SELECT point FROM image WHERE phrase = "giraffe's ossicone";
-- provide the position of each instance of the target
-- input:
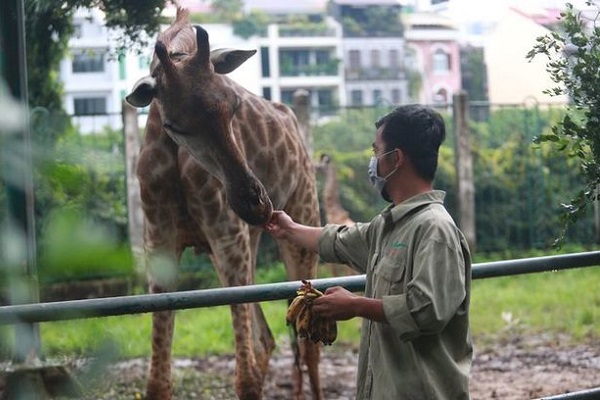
(215, 161)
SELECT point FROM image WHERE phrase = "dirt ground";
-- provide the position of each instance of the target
(522, 368)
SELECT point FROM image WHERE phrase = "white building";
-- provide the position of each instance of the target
(95, 78)
(337, 70)
(292, 60)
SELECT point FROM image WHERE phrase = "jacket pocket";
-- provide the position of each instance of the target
(389, 275)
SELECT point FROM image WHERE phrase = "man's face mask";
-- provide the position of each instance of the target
(377, 181)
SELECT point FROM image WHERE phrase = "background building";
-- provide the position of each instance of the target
(96, 78)
(512, 78)
(352, 53)
(374, 51)
(434, 52)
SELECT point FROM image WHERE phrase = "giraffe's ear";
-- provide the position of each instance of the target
(227, 60)
(143, 92)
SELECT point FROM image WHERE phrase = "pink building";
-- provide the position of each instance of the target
(434, 56)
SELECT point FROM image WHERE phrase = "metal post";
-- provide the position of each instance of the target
(464, 169)
(597, 214)
(134, 203)
(19, 181)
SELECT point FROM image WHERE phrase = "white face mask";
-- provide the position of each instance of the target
(377, 181)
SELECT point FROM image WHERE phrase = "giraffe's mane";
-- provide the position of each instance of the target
(183, 15)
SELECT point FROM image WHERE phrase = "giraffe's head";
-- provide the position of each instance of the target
(197, 106)
(323, 165)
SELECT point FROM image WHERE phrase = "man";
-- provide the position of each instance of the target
(415, 341)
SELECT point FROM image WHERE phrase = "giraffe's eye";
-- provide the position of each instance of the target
(177, 55)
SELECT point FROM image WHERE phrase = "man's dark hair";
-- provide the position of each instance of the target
(418, 131)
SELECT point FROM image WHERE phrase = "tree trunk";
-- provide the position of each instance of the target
(464, 169)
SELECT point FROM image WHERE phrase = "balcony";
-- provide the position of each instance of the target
(329, 68)
(307, 30)
(375, 74)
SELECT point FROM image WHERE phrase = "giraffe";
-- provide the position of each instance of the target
(335, 212)
(215, 161)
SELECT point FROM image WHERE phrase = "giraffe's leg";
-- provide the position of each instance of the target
(248, 381)
(263, 341)
(253, 339)
(159, 386)
(301, 264)
(159, 181)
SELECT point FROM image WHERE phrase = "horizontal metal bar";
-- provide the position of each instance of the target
(122, 305)
(134, 304)
(590, 394)
(536, 264)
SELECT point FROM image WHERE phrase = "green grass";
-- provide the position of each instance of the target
(564, 303)
(552, 303)
(198, 332)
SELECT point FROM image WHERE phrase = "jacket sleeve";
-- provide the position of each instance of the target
(345, 244)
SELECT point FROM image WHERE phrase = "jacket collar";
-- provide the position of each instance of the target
(394, 213)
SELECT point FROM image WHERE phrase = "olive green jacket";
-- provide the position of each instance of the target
(416, 260)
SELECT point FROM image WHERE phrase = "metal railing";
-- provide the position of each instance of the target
(102, 307)
(135, 304)
(589, 394)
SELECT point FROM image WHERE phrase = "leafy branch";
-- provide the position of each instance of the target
(574, 65)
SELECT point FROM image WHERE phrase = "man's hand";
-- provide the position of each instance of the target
(340, 304)
(279, 224)
(336, 304)
(282, 226)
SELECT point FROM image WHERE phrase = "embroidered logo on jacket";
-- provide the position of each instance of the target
(395, 247)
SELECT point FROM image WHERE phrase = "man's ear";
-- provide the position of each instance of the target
(400, 157)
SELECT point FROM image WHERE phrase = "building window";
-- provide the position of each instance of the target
(122, 66)
(144, 62)
(377, 96)
(267, 93)
(77, 31)
(356, 97)
(265, 63)
(322, 56)
(354, 59)
(88, 61)
(90, 106)
(294, 62)
(375, 58)
(325, 98)
(287, 96)
(394, 58)
(441, 61)
(396, 96)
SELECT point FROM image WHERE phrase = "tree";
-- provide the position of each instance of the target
(228, 10)
(49, 25)
(472, 66)
(60, 180)
(574, 64)
(254, 23)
